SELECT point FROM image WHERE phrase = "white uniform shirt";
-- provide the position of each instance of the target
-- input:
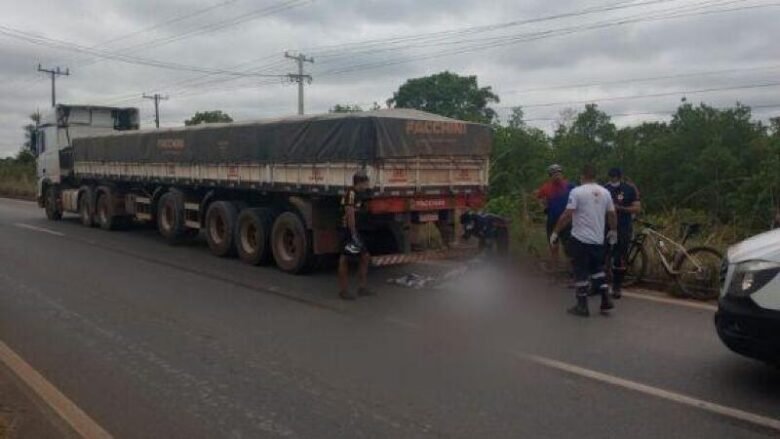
(590, 203)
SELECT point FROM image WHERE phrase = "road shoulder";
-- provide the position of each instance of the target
(20, 415)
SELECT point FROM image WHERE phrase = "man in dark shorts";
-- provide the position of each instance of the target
(352, 246)
(554, 194)
(589, 210)
(625, 196)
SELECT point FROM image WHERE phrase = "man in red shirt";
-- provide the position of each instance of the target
(554, 194)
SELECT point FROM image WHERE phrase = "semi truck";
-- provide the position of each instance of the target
(267, 191)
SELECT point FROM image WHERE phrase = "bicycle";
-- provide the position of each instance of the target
(695, 270)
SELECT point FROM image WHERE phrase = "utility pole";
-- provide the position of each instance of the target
(299, 77)
(157, 98)
(54, 73)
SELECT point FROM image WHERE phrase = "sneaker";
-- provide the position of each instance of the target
(346, 295)
(365, 292)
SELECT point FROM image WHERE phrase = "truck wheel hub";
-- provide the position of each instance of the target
(249, 238)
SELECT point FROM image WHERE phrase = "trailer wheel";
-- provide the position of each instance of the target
(170, 216)
(53, 210)
(291, 244)
(103, 215)
(85, 210)
(220, 226)
(253, 231)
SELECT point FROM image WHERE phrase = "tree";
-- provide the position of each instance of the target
(774, 126)
(588, 139)
(29, 149)
(346, 108)
(520, 157)
(215, 116)
(705, 164)
(447, 94)
(352, 108)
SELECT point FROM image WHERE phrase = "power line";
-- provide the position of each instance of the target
(194, 82)
(645, 96)
(339, 49)
(258, 13)
(695, 6)
(488, 28)
(176, 19)
(300, 76)
(496, 42)
(156, 98)
(184, 85)
(121, 54)
(73, 47)
(642, 79)
(54, 73)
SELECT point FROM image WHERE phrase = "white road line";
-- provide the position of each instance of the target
(79, 421)
(671, 301)
(679, 398)
(38, 229)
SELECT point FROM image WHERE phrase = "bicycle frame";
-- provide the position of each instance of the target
(659, 242)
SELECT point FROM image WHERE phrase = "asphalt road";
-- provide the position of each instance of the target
(157, 341)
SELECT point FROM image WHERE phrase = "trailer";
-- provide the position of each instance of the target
(267, 191)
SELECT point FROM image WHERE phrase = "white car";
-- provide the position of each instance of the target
(748, 317)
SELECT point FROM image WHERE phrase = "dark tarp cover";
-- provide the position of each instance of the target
(366, 136)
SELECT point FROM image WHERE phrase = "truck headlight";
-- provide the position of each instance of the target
(751, 276)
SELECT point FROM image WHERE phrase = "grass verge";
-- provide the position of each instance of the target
(17, 180)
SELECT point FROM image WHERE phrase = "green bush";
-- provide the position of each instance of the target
(718, 167)
(17, 178)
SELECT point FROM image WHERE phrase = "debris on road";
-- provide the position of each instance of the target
(412, 280)
(419, 281)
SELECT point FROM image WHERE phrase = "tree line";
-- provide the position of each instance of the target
(718, 164)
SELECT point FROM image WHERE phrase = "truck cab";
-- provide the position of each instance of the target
(61, 125)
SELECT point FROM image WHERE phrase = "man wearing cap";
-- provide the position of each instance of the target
(625, 197)
(554, 194)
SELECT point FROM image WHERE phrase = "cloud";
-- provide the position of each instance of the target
(361, 74)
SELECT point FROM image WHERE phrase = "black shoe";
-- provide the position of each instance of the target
(616, 294)
(606, 303)
(346, 295)
(365, 292)
(578, 310)
(581, 308)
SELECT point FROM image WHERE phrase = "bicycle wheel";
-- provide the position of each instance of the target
(636, 266)
(698, 272)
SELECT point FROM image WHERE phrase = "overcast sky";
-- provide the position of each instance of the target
(718, 51)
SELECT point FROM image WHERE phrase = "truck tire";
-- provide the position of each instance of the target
(85, 210)
(291, 244)
(52, 205)
(170, 217)
(253, 231)
(103, 212)
(220, 228)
